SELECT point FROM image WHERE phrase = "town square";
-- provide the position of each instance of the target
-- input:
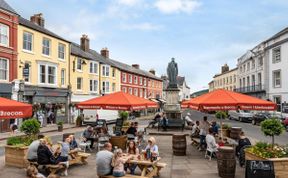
(143, 89)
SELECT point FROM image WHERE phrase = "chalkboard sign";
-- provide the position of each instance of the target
(101, 123)
(118, 127)
(259, 169)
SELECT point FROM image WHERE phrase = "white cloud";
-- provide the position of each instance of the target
(142, 26)
(176, 6)
(129, 2)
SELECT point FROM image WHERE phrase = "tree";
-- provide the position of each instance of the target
(272, 127)
(30, 127)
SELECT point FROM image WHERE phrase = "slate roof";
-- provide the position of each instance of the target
(38, 28)
(5, 6)
(77, 51)
(180, 81)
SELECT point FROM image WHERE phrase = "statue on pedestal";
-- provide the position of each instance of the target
(172, 72)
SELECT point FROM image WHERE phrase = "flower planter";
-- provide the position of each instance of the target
(60, 128)
(280, 164)
(16, 156)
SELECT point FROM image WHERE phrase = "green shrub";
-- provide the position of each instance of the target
(123, 115)
(272, 127)
(60, 123)
(20, 141)
(266, 150)
(226, 126)
(30, 127)
(221, 115)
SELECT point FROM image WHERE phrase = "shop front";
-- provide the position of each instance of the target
(50, 105)
(5, 92)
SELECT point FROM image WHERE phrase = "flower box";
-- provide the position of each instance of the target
(16, 156)
(280, 164)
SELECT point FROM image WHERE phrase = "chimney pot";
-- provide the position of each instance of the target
(84, 43)
(105, 52)
(224, 68)
(152, 71)
(38, 19)
(136, 66)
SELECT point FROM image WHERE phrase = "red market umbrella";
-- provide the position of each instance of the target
(117, 101)
(225, 100)
(14, 109)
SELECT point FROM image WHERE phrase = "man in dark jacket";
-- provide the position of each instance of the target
(44, 154)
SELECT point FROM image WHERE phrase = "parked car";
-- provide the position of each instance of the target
(241, 115)
(285, 123)
(259, 117)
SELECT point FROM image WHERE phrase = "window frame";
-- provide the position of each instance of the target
(274, 79)
(27, 42)
(105, 70)
(81, 65)
(104, 87)
(46, 47)
(62, 52)
(46, 74)
(276, 58)
(130, 79)
(94, 86)
(7, 35)
(63, 77)
(124, 77)
(135, 79)
(6, 70)
(94, 67)
(81, 84)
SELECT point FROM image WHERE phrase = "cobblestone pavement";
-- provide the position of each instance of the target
(191, 166)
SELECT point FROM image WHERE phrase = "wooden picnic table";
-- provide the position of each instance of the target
(148, 169)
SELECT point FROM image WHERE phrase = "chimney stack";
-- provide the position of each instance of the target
(38, 19)
(136, 66)
(105, 52)
(152, 71)
(84, 43)
(224, 68)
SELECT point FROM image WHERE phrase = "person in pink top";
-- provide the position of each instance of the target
(118, 162)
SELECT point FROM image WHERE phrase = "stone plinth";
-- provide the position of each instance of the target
(172, 107)
(172, 96)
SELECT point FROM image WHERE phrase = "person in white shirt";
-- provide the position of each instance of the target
(211, 142)
(195, 129)
(188, 119)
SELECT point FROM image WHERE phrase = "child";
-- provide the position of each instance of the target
(118, 162)
(32, 172)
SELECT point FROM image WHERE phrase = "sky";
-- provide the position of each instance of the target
(201, 35)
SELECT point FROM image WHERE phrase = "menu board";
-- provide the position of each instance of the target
(259, 169)
(118, 127)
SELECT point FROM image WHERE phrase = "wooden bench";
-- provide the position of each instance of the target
(174, 123)
(79, 158)
(195, 141)
(53, 168)
(160, 166)
(126, 176)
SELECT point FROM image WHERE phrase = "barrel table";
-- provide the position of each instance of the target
(226, 162)
(179, 144)
(235, 132)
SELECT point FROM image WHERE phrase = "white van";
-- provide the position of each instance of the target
(91, 115)
(241, 115)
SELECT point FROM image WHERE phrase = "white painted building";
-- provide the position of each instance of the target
(184, 93)
(276, 53)
(251, 73)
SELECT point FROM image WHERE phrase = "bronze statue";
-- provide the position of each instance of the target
(172, 72)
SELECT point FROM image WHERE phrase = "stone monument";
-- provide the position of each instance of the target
(172, 107)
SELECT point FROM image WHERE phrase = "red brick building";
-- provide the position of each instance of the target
(8, 53)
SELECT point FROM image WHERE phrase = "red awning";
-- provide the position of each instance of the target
(117, 101)
(227, 100)
(14, 109)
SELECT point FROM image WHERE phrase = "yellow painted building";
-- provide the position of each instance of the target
(91, 75)
(43, 61)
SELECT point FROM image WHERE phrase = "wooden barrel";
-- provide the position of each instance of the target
(65, 135)
(179, 144)
(226, 162)
(235, 132)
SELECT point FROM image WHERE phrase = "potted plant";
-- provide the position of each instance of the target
(221, 115)
(17, 147)
(270, 151)
(226, 128)
(60, 126)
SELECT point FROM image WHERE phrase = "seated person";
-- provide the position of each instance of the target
(63, 157)
(195, 130)
(155, 120)
(188, 120)
(44, 154)
(243, 141)
(132, 129)
(132, 150)
(222, 142)
(211, 142)
(103, 160)
(32, 150)
(214, 127)
(32, 172)
(118, 162)
(73, 143)
(141, 143)
(164, 122)
(152, 147)
(88, 135)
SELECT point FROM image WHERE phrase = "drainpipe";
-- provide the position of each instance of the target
(69, 88)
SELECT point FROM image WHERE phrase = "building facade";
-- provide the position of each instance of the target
(8, 54)
(251, 70)
(91, 74)
(44, 66)
(227, 79)
(277, 64)
(184, 93)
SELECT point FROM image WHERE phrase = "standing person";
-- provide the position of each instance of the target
(88, 135)
(188, 119)
(118, 162)
(103, 160)
(164, 121)
(132, 129)
(32, 149)
(214, 127)
(141, 143)
(132, 150)
(243, 141)
(13, 126)
(204, 126)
